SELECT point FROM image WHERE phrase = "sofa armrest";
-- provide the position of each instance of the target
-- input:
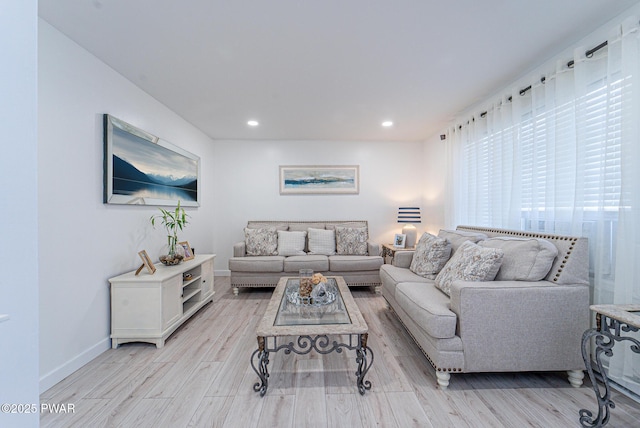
(520, 325)
(403, 259)
(239, 249)
(373, 249)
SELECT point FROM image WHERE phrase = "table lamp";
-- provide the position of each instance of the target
(409, 216)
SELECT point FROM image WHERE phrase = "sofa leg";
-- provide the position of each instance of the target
(235, 291)
(575, 378)
(443, 379)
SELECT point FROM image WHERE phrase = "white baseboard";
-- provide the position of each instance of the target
(59, 373)
(222, 272)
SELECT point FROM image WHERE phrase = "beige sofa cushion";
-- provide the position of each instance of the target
(470, 263)
(351, 241)
(291, 243)
(458, 237)
(430, 256)
(317, 263)
(266, 224)
(261, 242)
(322, 241)
(256, 264)
(354, 263)
(525, 259)
(305, 226)
(428, 308)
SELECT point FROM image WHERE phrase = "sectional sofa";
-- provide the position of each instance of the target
(530, 317)
(273, 249)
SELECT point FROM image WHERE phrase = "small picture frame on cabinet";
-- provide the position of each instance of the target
(146, 262)
(399, 240)
(188, 253)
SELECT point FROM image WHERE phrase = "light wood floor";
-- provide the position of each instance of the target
(202, 378)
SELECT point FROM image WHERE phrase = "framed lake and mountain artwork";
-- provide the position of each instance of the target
(142, 169)
(339, 179)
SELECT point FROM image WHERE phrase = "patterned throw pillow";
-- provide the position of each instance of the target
(470, 263)
(322, 241)
(291, 243)
(431, 254)
(352, 240)
(261, 242)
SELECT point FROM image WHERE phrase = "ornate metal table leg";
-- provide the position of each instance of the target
(261, 371)
(604, 340)
(363, 364)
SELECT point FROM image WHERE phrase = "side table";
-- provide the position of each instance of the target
(611, 321)
(389, 252)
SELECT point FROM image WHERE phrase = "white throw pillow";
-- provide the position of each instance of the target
(322, 242)
(470, 263)
(261, 242)
(430, 256)
(291, 243)
(351, 240)
(525, 259)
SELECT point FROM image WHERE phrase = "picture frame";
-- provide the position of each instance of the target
(319, 179)
(399, 240)
(146, 262)
(188, 252)
(142, 169)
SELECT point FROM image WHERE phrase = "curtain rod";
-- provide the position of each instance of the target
(589, 53)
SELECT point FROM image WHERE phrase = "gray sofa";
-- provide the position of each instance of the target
(499, 325)
(359, 269)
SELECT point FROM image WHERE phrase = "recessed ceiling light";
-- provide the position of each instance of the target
(253, 123)
(387, 123)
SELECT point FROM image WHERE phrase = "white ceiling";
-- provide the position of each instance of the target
(325, 69)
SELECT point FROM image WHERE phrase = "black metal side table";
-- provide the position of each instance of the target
(611, 322)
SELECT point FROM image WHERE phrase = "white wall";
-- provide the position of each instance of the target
(83, 242)
(246, 176)
(434, 167)
(18, 204)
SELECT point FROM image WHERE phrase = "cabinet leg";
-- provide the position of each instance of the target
(235, 291)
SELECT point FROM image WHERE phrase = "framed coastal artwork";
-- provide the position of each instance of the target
(142, 169)
(321, 179)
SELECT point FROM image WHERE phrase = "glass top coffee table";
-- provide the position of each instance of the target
(312, 323)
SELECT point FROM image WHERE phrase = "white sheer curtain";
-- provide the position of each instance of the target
(564, 157)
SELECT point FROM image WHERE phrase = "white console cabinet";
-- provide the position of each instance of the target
(148, 308)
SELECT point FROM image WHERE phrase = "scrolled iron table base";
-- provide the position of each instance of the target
(606, 334)
(305, 344)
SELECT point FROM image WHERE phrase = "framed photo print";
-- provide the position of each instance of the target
(142, 169)
(399, 240)
(338, 179)
(146, 262)
(188, 253)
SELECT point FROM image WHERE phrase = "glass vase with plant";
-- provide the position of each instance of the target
(172, 220)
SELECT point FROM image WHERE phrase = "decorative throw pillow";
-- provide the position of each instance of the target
(351, 240)
(525, 259)
(322, 242)
(291, 243)
(261, 242)
(430, 256)
(470, 263)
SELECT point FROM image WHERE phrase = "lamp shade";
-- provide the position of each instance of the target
(409, 215)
